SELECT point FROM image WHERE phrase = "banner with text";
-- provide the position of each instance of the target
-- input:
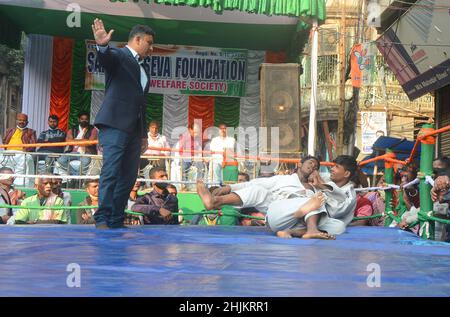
(373, 125)
(183, 70)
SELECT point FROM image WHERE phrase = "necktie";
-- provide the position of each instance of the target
(144, 78)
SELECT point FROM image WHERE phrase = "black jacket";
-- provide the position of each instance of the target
(124, 104)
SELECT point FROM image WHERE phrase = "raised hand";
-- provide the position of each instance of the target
(101, 36)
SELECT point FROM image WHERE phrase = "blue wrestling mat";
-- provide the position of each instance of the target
(195, 261)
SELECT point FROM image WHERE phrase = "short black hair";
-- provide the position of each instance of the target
(90, 181)
(247, 177)
(83, 113)
(172, 186)
(310, 157)
(140, 29)
(6, 168)
(443, 159)
(155, 169)
(53, 116)
(349, 164)
(154, 122)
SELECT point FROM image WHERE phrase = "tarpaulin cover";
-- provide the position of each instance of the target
(218, 261)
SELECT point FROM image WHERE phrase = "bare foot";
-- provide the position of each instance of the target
(314, 203)
(205, 195)
(283, 234)
(318, 235)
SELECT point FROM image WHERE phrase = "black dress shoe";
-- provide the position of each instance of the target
(102, 226)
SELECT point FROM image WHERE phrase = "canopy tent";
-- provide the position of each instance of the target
(258, 25)
(400, 146)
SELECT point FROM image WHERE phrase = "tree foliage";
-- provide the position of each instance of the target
(13, 61)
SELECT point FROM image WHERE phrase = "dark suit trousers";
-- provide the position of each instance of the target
(121, 154)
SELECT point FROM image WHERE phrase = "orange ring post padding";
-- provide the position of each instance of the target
(79, 143)
(389, 157)
(426, 136)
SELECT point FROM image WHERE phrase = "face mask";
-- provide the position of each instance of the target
(161, 185)
(439, 171)
(84, 124)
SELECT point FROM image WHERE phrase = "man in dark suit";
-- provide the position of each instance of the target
(121, 119)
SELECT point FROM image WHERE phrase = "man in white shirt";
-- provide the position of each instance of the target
(155, 140)
(220, 143)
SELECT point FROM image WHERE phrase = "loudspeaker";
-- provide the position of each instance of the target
(280, 103)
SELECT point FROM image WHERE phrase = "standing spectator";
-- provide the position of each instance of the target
(51, 135)
(190, 147)
(158, 205)
(221, 143)
(155, 140)
(44, 197)
(83, 131)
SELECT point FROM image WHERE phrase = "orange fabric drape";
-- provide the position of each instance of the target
(61, 79)
(201, 108)
(275, 57)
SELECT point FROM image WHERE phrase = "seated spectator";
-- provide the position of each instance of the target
(57, 189)
(9, 196)
(251, 221)
(83, 131)
(155, 140)
(134, 220)
(363, 205)
(44, 197)
(51, 135)
(16, 195)
(86, 216)
(65, 196)
(243, 177)
(20, 135)
(363, 209)
(5, 185)
(411, 193)
(440, 165)
(158, 205)
(378, 200)
(174, 192)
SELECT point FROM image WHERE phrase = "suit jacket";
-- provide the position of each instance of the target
(28, 137)
(123, 107)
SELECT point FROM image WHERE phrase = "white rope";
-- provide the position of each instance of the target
(413, 182)
(390, 186)
(3, 176)
(429, 180)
